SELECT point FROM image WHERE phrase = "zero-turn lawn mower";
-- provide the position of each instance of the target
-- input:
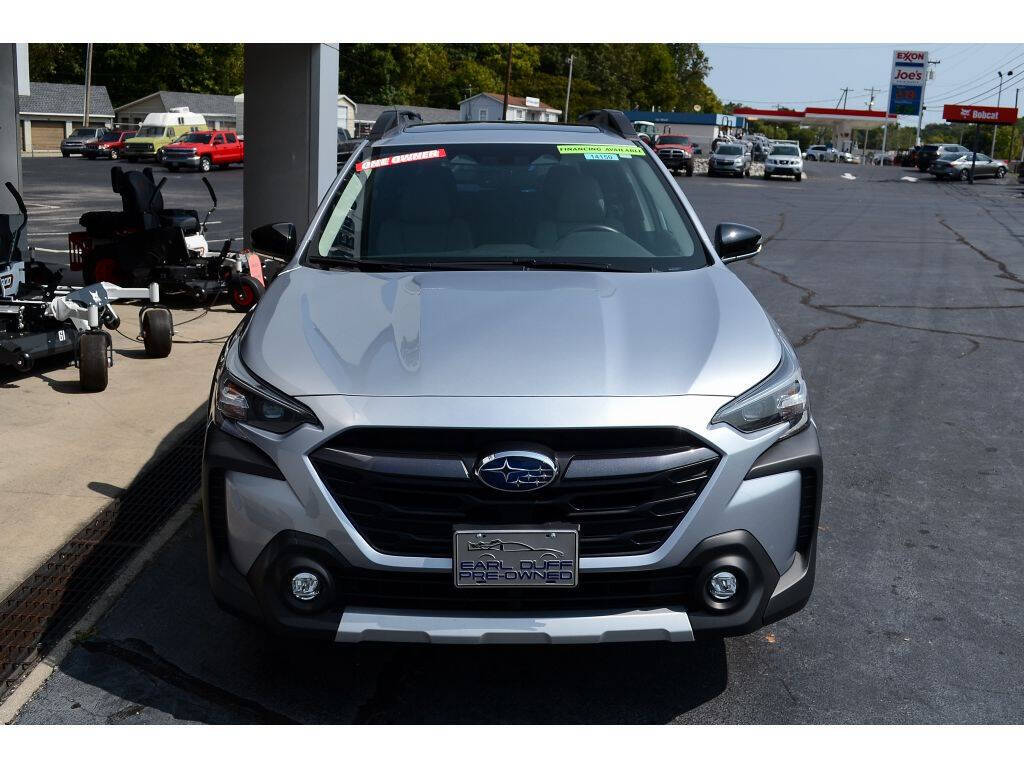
(39, 319)
(145, 242)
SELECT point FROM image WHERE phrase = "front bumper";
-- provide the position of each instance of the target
(181, 162)
(758, 514)
(784, 170)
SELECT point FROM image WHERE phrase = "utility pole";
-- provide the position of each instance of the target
(568, 89)
(842, 99)
(924, 86)
(88, 84)
(1013, 128)
(508, 79)
(999, 99)
(871, 103)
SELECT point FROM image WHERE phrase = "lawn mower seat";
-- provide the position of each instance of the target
(142, 206)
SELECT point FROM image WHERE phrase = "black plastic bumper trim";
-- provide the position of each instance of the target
(801, 451)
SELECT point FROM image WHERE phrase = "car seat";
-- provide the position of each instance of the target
(425, 221)
(579, 202)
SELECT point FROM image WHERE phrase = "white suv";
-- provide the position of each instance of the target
(784, 160)
(822, 153)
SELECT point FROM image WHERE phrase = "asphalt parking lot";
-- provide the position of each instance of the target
(905, 301)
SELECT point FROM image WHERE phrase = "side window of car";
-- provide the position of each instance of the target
(218, 139)
(231, 138)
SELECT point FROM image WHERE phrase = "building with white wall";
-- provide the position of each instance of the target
(487, 106)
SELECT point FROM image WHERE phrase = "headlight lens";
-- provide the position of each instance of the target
(240, 397)
(779, 399)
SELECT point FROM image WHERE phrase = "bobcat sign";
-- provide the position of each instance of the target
(965, 113)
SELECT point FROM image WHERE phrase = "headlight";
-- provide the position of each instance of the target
(781, 398)
(240, 397)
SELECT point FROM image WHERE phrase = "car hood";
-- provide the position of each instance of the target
(510, 333)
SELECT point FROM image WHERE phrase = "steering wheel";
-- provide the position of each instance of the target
(591, 228)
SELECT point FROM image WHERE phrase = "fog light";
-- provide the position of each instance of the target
(722, 585)
(306, 586)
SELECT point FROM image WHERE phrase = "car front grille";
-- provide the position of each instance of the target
(415, 515)
(139, 149)
(179, 153)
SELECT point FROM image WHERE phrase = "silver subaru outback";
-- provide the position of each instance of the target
(507, 391)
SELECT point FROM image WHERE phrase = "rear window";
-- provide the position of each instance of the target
(494, 203)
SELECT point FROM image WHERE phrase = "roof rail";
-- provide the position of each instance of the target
(393, 121)
(612, 120)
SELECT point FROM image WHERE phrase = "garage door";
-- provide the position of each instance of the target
(47, 135)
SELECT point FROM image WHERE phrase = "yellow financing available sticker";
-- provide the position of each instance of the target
(615, 149)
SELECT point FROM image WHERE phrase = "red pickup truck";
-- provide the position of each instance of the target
(204, 150)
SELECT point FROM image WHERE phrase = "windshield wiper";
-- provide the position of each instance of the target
(365, 265)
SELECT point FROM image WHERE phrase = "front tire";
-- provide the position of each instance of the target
(92, 361)
(799, 177)
(1000, 172)
(205, 165)
(157, 330)
(114, 154)
(965, 175)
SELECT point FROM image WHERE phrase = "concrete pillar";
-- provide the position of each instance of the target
(291, 144)
(68, 128)
(26, 135)
(10, 152)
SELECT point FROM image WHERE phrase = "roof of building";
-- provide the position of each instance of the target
(686, 118)
(516, 101)
(65, 99)
(368, 113)
(217, 104)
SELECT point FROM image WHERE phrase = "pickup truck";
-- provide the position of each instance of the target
(346, 145)
(204, 150)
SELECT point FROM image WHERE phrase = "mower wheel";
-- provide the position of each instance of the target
(157, 329)
(244, 292)
(92, 361)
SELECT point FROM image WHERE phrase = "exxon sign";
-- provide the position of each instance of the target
(907, 82)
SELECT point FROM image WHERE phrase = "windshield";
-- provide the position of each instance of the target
(195, 138)
(80, 132)
(150, 130)
(666, 139)
(785, 149)
(478, 205)
(111, 136)
(729, 149)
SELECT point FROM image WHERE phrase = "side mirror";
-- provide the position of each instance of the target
(278, 240)
(734, 242)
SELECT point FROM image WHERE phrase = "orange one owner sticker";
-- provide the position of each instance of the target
(412, 157)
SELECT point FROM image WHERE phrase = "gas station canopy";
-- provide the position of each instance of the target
(843, 120)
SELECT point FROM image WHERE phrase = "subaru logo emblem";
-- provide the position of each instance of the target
(517, 470)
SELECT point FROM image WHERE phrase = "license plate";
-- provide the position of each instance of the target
(516, 557)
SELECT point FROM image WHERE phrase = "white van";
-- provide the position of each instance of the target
(158, 130)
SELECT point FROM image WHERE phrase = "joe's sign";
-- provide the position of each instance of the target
(907, 82)
(966, 113)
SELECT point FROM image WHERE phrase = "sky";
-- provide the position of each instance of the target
(813, 75)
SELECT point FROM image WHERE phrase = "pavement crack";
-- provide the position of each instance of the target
(1004, 271)
(807, 299)
(144, 657)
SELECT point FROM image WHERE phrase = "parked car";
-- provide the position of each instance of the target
(675, 151)
(909, 160)
(109, 145)
(957, 165)
(204, 150)
(468, 521)
(844, 157)
(346, 145)
(75, 143)
(821, 153)
(928, 153)
(732, 159)
(784, 160)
